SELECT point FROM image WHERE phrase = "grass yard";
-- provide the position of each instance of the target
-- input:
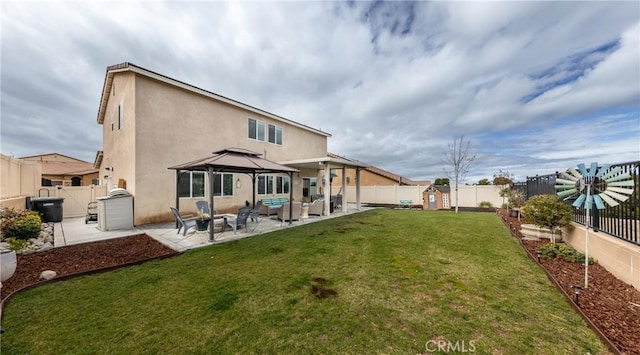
(383, 281)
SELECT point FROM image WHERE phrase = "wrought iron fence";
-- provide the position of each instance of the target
(621, 221)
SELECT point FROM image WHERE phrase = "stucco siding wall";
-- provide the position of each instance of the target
(119, 143)
(174, 126)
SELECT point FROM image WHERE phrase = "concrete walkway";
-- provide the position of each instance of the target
(74, 231)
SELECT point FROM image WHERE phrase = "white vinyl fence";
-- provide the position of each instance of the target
(76, 198)
(19, 177)
(470, 195)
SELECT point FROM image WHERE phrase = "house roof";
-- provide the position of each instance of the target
(67, 168)
(389, 175)
(42, 157)
(126, 66)
(54, 167)
(235, 160)
(442, 188)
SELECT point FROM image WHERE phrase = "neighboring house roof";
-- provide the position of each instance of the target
(389, 175)
(55, 167)
(43, 157)
(67, 168)
(126, 66)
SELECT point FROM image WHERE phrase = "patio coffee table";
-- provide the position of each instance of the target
(224, 217)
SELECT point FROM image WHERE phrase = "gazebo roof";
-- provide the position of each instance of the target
(235, 160)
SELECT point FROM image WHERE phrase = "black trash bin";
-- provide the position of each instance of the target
(50, 208)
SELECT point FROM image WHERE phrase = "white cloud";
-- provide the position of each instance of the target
(394, 82)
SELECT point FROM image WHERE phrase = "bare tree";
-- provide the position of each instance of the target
(459, 159)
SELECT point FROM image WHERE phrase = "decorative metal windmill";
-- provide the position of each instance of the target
(594, 185)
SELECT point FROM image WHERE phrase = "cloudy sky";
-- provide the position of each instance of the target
(535, 87)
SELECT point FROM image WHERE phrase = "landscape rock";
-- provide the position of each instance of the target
(48, 275)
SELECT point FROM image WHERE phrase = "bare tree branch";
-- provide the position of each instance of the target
(458, 158)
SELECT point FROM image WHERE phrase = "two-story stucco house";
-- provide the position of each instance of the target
(152, 122)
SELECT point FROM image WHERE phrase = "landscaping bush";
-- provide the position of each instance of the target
(563, 251)
(21, 225)
(548, 211)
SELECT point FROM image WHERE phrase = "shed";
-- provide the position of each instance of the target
(436, 197)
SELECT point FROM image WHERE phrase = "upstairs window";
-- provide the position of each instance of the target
(256, 129)
(275, 134)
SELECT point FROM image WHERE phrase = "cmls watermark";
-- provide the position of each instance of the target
(433, 346)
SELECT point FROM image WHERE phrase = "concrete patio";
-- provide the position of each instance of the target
(74, 231)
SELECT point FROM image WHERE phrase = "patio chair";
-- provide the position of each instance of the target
(240, 220)
(187, 221)
(255, 212)
(283, 212)
(203, 206)
(316, 207)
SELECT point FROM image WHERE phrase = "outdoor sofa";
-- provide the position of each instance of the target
(271, 205)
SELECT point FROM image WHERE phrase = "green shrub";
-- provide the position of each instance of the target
(563, 251)
(17, 244)
(20, 224)
(486, 204)
(548, 211)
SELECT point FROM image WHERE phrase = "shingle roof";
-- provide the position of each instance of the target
(67, 168)
(389, 175)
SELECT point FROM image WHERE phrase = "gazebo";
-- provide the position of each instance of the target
(233, 160)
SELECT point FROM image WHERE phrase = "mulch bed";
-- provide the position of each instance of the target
(81, 258)
(611, 305)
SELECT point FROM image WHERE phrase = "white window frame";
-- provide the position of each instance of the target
(191, 184)
(260, 132)
(445, 200)
(224, 177)
(276, 138)
(273, 185)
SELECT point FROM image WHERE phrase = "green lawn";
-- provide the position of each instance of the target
(393, 282)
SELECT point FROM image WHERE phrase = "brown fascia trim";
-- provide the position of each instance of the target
(386, 174)
(98, 160)
(127, 66)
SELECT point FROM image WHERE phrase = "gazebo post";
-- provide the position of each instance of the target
(290, 197)
(253, 185)
(177, 193)
(211, 223)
